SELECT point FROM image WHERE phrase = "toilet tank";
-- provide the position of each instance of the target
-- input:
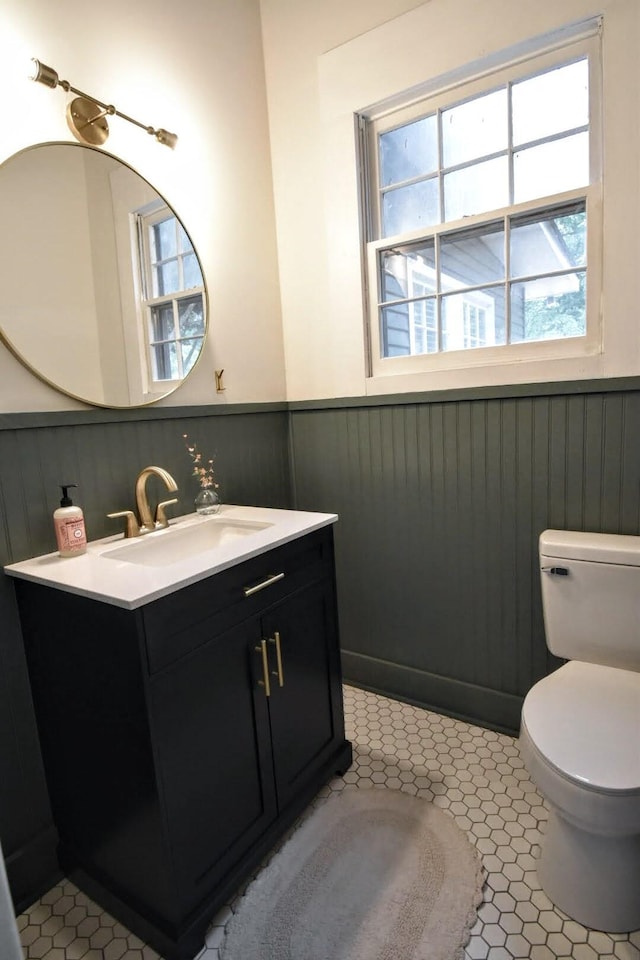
(591, 596)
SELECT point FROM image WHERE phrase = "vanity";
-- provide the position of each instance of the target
(187, 687)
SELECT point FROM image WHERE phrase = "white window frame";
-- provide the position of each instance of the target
(145, 219)
(375, 121)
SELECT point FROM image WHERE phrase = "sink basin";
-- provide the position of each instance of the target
(177, 543)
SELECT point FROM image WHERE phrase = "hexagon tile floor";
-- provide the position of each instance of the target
(474, 774)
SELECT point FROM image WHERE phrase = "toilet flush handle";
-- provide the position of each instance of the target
(556, 571)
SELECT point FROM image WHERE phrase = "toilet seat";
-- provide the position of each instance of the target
(584, 720)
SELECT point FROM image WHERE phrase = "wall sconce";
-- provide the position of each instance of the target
(86, 116)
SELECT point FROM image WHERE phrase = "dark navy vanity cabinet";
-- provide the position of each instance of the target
(183, 737)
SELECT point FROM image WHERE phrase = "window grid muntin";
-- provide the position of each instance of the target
(510, 161)
(532, 58)
(146, 223)
(535, 214)
(178, 338)
(509, 152)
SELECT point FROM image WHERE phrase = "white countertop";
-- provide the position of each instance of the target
(130, 585)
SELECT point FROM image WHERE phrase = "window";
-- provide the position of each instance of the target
(172, 296)
(479, 205)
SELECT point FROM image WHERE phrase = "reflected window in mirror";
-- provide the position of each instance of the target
(126, 300)
(172, 296)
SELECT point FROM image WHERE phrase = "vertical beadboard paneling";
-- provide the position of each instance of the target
(612, 461)
(629, 500)
(593, 449)
(525, 573)
(250, 452)
(441, 506)
(575, 465)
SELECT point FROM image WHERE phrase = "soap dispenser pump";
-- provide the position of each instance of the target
(68, 521)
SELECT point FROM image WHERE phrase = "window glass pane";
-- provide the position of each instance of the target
(551, 102)
(395, 331)
(166, 278)
(190, 353)
(161, 323)
(407, 271)
(489, 275)
(164, 361)
(546, 243)
(473, 319)
(191, 316)
(191, 271)
(164, 239)
(469, 258)
(423, 326)
(551, 168)
(407, 208)
(549, 308)
(409, 151)
(185, 243)
(475, 129)
(484, 186)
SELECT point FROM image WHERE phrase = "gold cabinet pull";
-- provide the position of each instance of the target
(273, 578)
(277, 673)
(265, 668)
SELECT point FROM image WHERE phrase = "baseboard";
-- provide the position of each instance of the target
(455, 698)
(33, 869)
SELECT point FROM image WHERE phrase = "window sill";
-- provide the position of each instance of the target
(574, 359)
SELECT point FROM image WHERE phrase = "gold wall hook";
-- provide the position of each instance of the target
(220, 388)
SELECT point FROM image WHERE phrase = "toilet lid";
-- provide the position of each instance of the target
(585, 720)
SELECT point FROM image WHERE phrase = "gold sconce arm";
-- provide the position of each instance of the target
(87, 116)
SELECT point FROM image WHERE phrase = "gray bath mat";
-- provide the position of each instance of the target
(369, 875)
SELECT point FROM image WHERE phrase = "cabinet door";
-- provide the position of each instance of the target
(214, 757)
(306, 711)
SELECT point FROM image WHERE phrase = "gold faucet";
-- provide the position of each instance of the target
(147, 523)
(144, 511)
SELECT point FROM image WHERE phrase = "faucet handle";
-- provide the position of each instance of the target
(161, 519)
(132, 529)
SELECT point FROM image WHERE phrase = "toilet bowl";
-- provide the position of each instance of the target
(580, 728)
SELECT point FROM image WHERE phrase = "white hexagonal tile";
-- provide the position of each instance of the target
(559, 945)
(494, 935)
(511, 923)
(517, 945)
(477, 776)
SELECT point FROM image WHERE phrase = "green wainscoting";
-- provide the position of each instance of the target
(441, 503)
(441, 499)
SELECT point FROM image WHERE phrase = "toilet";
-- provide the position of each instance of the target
(580, 728)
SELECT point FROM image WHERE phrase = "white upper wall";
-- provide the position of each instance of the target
(326, 61)
(197, 68)
(194, 68)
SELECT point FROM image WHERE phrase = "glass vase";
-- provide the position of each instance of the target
(207, 501)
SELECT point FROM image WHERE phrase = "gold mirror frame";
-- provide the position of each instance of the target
(64, 236)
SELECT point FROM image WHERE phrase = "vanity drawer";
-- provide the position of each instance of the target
(177, 624)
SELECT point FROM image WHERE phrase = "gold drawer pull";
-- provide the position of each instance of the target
(265, 668)
(273, 578)
(277, 673)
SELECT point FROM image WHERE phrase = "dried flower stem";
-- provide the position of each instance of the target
(204, 475)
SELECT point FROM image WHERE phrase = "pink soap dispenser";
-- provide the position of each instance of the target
(68, 521)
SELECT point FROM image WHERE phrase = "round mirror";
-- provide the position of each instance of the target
(103, 295)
